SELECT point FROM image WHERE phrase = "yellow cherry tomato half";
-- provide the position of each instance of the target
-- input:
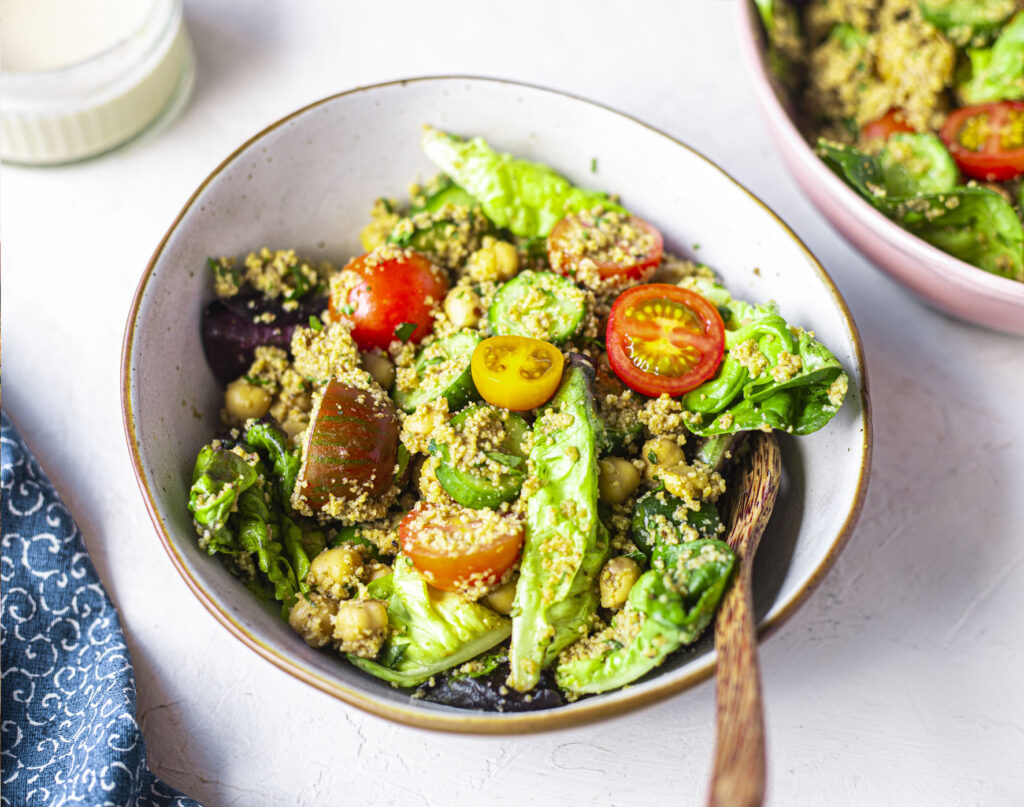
(516, 372)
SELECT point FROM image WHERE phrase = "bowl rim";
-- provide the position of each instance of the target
(470, 721)
(960, 273)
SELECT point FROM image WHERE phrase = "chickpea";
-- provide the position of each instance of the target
(427, 418)
(361, 627)
(462, 307)
(380, 367)
(243, 400)
(495, 260)
(333, 571)
(501, 598)
(617, 578)
(507, 259)
(660, 453)
(618, 479)
(313, 619)
(376, 571)
(295, 425)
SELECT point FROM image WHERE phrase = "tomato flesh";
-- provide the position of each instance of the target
(664, 339)
(352, 446)
(395, 297)
(621, 247)
(892, 122)
(516, 372)
(457, 549)
(987, 140)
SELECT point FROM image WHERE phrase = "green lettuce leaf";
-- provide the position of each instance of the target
(997, 73)
(270, 441)
(219, 477)
(668, 607)
(430, 630)
(566, 544)
(524, 197)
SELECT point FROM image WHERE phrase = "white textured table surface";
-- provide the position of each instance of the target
(898, 683)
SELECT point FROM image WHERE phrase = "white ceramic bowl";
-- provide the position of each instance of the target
(943, 281)
(308, 181)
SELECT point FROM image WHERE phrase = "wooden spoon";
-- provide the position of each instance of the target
(738, 775)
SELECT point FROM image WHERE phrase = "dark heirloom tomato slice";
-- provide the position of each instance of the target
(455, 548)
(892, 122)
(352, 447)
(619, 245)
(395, 298)
(987, 141)
(664, 339)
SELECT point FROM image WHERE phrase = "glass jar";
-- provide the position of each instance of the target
(79, 79)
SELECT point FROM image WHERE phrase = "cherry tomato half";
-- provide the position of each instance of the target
(516, 372)
(892, 122)
(664, 339)
(454, 549)
(352, 446)
(620, 246)
(987, 141)
(395, 298)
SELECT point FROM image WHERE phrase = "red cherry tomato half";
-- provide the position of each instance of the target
(619, 245)
(664, 339)
(395, 298)
(987, 140)
(892, 122)
(456, 548)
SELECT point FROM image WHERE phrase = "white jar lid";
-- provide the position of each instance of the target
(77, 111)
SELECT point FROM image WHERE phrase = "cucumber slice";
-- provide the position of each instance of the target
(447, 235)
(476, 488)
(917, 163)
(541, 305)
(443, 191)
(442, 370)
(659, 518)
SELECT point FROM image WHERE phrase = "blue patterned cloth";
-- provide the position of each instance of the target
(68, 731)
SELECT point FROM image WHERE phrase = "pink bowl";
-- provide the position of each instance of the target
(941, 280)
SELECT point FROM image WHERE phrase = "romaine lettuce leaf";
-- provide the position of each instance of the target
(524, 197)
(431, 630)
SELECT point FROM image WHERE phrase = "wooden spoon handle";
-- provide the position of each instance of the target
(738, 775)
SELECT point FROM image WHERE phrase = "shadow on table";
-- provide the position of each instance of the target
(232, 44)
(930, 541)
(170, 752)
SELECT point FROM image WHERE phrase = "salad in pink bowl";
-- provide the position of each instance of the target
(903, 186)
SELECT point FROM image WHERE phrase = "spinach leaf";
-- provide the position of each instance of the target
(976, 225)
(859, 170)
(770, 377)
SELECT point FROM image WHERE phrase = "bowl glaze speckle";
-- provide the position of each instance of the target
(945, 282)
(308, 182)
